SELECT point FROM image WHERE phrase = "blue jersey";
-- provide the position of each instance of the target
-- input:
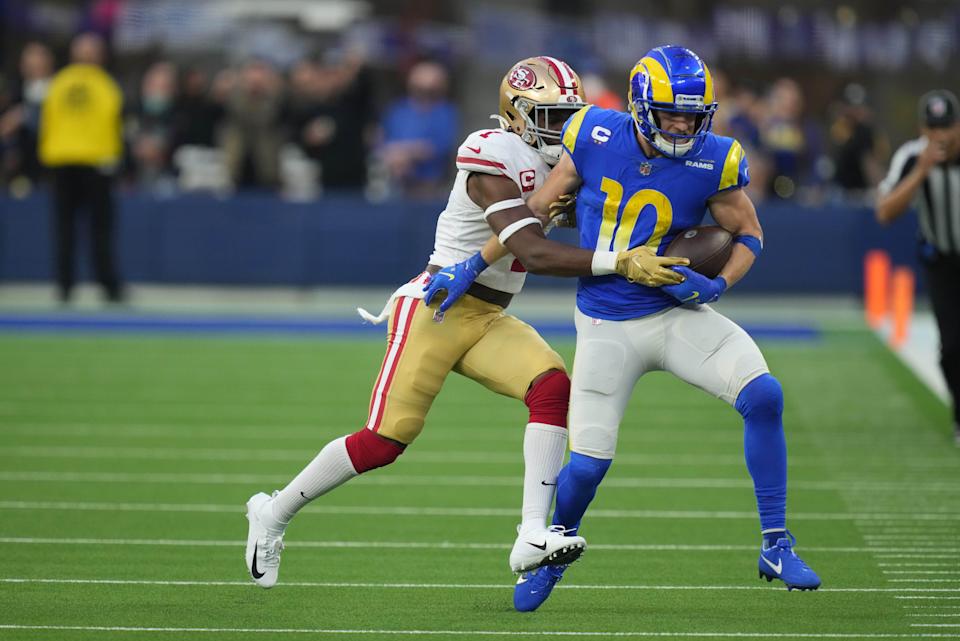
(627, 200)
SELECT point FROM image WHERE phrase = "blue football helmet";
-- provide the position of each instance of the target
(672, 78)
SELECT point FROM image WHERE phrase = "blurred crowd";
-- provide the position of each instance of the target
(316, 126)
(297, 131)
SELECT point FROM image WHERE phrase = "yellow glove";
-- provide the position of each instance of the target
(564, 211)
(642, 265)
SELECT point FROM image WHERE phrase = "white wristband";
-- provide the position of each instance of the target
(503, 204)
(513, 228)
(604, 263)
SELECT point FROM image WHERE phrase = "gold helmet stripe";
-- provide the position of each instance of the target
(573, 128)
(708, 97)
(659, 80)
(731, 166)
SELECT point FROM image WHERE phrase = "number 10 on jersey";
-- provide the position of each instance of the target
(619, 220)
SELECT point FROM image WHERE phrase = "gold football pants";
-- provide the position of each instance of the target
(475, 339)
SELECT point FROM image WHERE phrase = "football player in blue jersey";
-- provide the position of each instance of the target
(641, 178)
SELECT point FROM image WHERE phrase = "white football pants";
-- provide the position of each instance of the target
(693, 342)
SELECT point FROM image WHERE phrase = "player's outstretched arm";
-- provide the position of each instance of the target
(521, 232)
(517, 228)
(562, 180)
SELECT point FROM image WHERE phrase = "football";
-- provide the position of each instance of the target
(708, 248)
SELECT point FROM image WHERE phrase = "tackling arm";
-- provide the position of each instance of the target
(563, 179)
(519, 231)
(537, 254)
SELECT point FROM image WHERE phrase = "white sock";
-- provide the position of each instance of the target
(543, 450)
(331, 468)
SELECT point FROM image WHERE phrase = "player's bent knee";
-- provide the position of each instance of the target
(586, 470)
(549, 398)
(367, 450)
(761, 398)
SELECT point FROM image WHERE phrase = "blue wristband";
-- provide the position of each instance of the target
(752, 243)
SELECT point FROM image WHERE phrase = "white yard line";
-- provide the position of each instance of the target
(919, 565)
(951, 572)
(51, 476)
(404, 545)
(424, 586)
(486, 633)
(951, 580)
(465, 512)
(913, 556)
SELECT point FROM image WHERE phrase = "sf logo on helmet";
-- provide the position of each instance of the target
(522, 78)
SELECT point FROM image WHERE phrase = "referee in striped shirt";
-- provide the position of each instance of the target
(925, 174)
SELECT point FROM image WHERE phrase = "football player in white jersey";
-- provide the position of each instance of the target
(498, 170)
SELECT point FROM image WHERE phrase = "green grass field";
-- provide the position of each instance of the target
(126, 462)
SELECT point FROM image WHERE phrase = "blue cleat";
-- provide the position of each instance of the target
(781, 562)
(534, 587)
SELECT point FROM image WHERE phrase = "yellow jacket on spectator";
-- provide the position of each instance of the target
(81, 119)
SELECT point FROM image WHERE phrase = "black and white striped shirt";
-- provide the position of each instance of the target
(937, 203)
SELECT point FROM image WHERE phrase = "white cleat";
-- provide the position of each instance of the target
(547, 546)
(264, 542)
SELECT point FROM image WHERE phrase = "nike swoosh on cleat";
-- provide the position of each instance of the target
(776, 568)
(521, 580)
(545, 483)
(539, 547)
(253, 566)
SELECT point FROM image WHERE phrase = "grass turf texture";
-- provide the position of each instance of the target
(128, 460)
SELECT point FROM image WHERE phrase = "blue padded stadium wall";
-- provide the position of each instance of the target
(254, 239)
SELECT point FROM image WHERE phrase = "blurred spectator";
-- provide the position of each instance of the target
(348, 98)
(331, 114)
(420, 132)
(598, 93)
(737, 117)
(792, 141)
(151, 127)
(19, 124)
(197, 114)
(744, 111)
(857, 146)
(252, 133)
(80, 138)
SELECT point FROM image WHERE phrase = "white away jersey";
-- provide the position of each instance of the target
(461, 229)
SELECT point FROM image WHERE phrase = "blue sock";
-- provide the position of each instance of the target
(765, 449)
(576, 486)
